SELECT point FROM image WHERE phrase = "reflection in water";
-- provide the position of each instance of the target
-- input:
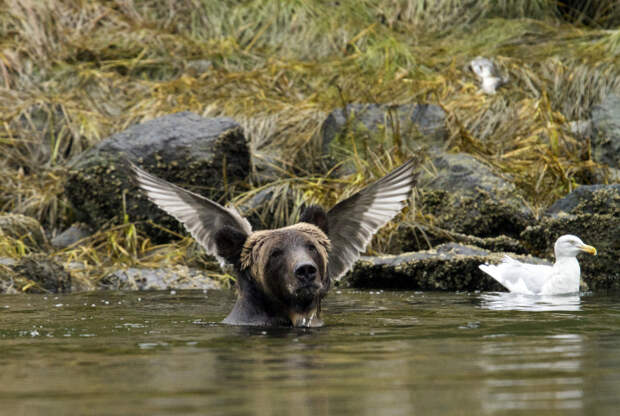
(543, 373)
(507, 301)
(538, 372)
(393, 353)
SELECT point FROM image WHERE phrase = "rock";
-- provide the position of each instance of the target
(601, 231)
(179, 277)
(448, 267)
(589, 199)
(40, 274)
(205, 155)
(71, 235)
(418, 238)
(465, 196)
(593, 214)
(7, 261)
(606, 126)
(405, 125)
(7, 277)
(23, 228)
(273, 206)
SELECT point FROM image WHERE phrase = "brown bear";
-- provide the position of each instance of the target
(283, 274)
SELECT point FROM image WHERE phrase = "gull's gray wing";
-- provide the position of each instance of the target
(200, 216)
(519, 277)
(352, 223)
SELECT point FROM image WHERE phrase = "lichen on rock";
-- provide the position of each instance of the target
(463, 195)
(447, 267)
(205, 155)
(593, 214)
(363, 128)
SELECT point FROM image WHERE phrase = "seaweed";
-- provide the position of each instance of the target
(73, 72)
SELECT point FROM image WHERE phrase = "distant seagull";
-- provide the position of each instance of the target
(488, 74)
(536, 279)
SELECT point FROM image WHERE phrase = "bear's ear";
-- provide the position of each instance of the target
(229, 243)
(315, 215)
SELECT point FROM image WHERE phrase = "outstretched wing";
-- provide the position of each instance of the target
(352, 222)
(200, 216)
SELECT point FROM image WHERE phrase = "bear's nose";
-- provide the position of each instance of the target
(305, 272)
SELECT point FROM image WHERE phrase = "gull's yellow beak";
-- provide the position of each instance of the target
(588, 249)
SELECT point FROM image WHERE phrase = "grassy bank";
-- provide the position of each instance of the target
(73, 72)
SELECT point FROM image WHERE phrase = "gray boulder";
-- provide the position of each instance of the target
(588, 199)
(206, 155)
(465, 196)
(448, 267)
(179, 277)
(71, 235)
(404, 126)
(272, 206)
(593, 214)
(606, 126)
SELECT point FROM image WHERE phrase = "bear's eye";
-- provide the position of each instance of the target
(311, 248)
(276, 253)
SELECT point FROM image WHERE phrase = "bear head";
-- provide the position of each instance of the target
(289, 266)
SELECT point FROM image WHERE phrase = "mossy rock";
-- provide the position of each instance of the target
(7, 277)
(589, 199)
(408, 237)
(450, 266)
(601, 231)
(465, 196)
(25, 229)
(179, 277)
(593, 214)
(273, 206)
(364, 128)
(209, 156)
(606, 126)
(40, 274)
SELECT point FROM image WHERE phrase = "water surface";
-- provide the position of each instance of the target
(380, 353)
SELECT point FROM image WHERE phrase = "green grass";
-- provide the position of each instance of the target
(74, 72)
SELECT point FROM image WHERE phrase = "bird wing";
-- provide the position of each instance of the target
(352, 223)
(519, 277)
(200, 216)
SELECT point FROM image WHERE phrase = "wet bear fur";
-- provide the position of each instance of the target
(282, 273)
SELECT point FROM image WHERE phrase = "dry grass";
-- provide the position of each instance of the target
(73, 72)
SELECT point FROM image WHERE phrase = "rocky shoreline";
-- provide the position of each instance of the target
(473, 213)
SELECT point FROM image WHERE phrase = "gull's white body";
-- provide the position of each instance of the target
(536, 279)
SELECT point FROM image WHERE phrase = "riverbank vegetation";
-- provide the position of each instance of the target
(74, 72)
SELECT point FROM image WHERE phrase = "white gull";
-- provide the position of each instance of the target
(537, 279)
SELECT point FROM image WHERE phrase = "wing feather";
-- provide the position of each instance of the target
(518, 277)
(353, 222)
(201, 217)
